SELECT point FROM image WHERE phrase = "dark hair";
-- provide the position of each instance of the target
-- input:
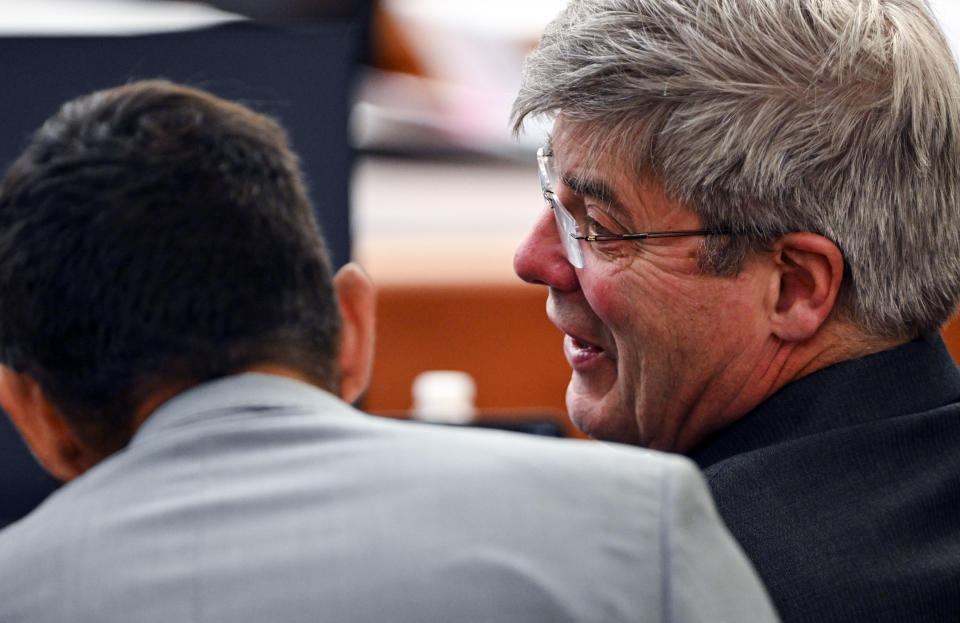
(153, 234)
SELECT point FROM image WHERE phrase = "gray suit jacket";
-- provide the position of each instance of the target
(258, 498)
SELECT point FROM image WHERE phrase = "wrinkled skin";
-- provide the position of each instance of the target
(661, 353)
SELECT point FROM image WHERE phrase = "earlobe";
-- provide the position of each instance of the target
(357, 298)
(810, 270)
(42, 426)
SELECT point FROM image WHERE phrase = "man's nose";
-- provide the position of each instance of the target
(541, 259)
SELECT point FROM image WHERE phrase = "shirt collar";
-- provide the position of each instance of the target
(230, 394)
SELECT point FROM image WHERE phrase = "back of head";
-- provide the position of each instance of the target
(154, 235)
(838, 117)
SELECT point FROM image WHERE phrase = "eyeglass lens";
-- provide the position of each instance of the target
(566, 224)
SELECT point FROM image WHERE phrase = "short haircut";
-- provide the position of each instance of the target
(153, 234)
(839, 117)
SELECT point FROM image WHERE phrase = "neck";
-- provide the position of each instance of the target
(834, 343)
(779, 363)
(787, 362)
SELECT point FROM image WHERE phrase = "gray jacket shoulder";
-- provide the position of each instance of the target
(357, 517)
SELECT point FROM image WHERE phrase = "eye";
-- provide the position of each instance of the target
(593, 227)
(597, 221)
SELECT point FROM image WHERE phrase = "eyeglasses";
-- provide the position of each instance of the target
(570, 233)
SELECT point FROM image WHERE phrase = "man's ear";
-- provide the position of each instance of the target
(809, 272)
(42, 426)
(358, 304)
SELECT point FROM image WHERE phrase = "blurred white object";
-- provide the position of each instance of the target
(948, 13)
(444, 396)
(508, 19)
(106, 17)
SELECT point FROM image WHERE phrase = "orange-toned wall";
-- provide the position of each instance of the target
(951, 335)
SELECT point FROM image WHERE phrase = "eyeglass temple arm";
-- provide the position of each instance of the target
(653, 234)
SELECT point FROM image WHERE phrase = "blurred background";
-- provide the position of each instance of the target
(400, 111)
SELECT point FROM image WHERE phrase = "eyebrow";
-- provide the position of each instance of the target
(593, 188)
(587, 187)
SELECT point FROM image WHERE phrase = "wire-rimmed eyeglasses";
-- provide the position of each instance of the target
(570, 234)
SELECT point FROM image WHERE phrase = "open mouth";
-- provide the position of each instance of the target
(584, 345)
(580, 354)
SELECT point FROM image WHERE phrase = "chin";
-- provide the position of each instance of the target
(603, 427)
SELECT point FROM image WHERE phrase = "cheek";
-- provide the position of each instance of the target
(736, 301)
(610, 299)
(630, 298)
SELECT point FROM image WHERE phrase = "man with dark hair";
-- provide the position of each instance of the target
(174, 345)
(752, 239)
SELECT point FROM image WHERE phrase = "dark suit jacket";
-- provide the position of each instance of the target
(844, 489)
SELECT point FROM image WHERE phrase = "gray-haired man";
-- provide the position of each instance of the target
(754, 239)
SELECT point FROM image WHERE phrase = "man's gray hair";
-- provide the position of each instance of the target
(839, 117)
